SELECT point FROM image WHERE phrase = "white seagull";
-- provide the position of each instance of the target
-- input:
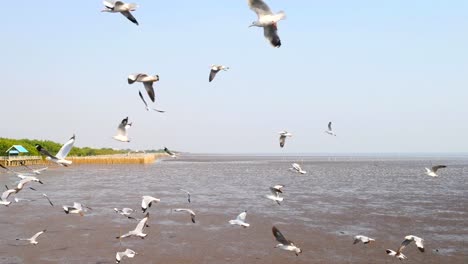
(275, 193)
(5, 195)
(37, 172)
(188, 194)
(433, 171)
(417, 240)
(127, 253)
(297, 168)
(125, 212)
(147, 201)
(215, 69)
(363, 239)
(283, 135)
(138, 231)
(30, 178)
(330, 130)
(120, 7)
(192, 213)
(284, 243)
(147, 81)
(397, 254)
(170, 153)
(146, 104)
(122, 134)
(267, 20)
(33, 239)
(240, 220)
(59, 158)
(77, 208)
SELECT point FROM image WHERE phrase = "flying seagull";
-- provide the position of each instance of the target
(17, 200)
(30, 178)
(122, 8)
(47, 197)
(192, 214)
(147, 81)
(433, 171)
(417, 240)
(284, 243)
(267, 20)
(59, 158)
(297, 168)
(138, 231)
(146, 104)
(240, 220)
(5, 195)
(275, 194)
(77, 208)
(122, 134)
(397, 254)
(330, 130)
(363, 239)
(127, 253)
(147, 201)
(188, 194)
(170, 153)
(37, 172)
(33, 239)
(125, 212)
(215, 69)
(283, 135)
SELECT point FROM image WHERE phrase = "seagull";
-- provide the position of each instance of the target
(188, 194)
(77, 208)
(147, 81)
(398, 254)
(297, 168)
(170, 153)
(125, 212)
(284, 243)
(215, 69)
(146, 104)
(417, 240)
(17, 200)
(138, 231)
(127, 253)
(122, 134)
(283, 135)
(37, 172)
(330, 131)
(61, 155)
(146, 202)
(363, 239)
(5, 195)
(275, 196)
(267, 20)
(192, 214)
(240, 220)
(33, 239)
(432, 171)
(122, 8)
(30, 178)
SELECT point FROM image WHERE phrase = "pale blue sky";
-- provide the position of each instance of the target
(391, 75)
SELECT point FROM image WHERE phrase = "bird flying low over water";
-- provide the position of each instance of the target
(215, 69)
(330, 130)
(122, 134)
(240, 220)
(138, 231)
(396, 254)
(5, 195)
(146, 104)
(127, 253)
(297, 168)
(284, 243)
(363, 239)
(120, 7)
(192, 214)
(147, 201)
(268, 20)
(275, 194)
(433, 171)
(125, 212)
(77, 208)
(47, 197)
(147, 81)
(417, 240)
(170, 153)
(59, 158)
(33, 239)
(283, 135)
(188, 194)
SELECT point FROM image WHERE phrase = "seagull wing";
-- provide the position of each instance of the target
(329, 126)
(271, 33)
(122, 128)
(259, 7)
(279, 237)
(282, 140)
(419, 244)
(149, 90)
(242, 216)
(435, 168)
(6, 194)
(213, 74)
(405, 243)
(274, 191)
(109, 3)
(77, 206)
(143, 99)
(47, 197)
(130, 17)
(65, 149)
(37, 235)
(141, 225)
(44, 152)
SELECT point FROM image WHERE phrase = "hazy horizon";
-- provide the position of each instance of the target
(391, 76)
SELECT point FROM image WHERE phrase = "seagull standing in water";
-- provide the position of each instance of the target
(267, 20)
(330, 130)
(363, 239)
(433, 171)
(275, 194)
(138, 231)
(59, 158)
(147, 81)
(240, 220)
(127, 253)
(215, 69)
(122, 134)
(297, 168)
(284, 243)
(147, 201)
(192, 213)
(33, 239)
(146, 104)
(283, 135)
(120, 7)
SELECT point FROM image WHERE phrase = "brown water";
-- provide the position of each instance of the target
(385, 199)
